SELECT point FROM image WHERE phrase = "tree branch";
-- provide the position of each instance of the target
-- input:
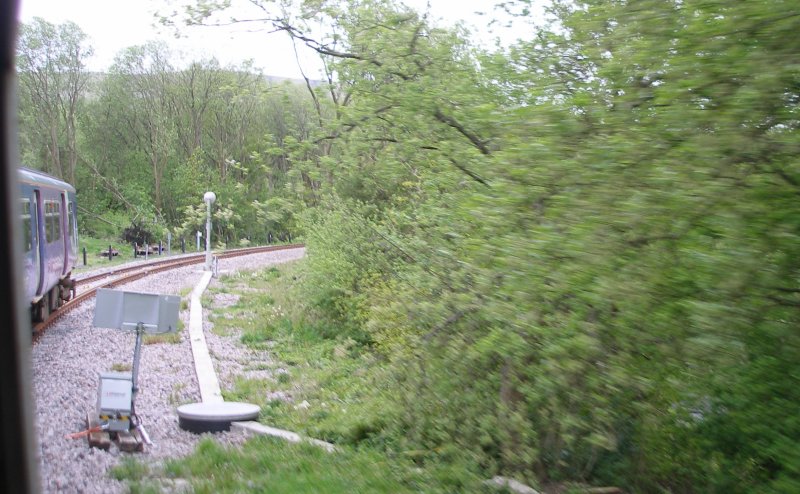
(350, 126)
(322, 50)
(474, 139)
(472, 174)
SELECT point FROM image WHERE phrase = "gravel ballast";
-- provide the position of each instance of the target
(66, 362)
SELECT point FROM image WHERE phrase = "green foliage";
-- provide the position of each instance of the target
(109, 225)
(151, 138)
(171, 338)
(581, 259)
(130, 469)
(274, 465)
(335, 392)
(50, 60)
(575, 260)
(97, 252)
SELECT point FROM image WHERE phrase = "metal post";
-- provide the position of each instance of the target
(84, 256)
(110, 254)
(209, 198)
(208, 236)
(137, 352)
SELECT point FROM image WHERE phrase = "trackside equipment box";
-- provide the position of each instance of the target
(114, 400)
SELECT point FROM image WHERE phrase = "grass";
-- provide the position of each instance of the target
(267, 464)
(93, 258)
(130, 469)
(334, 385)
(97, 253)
(283, 467)
(171, 338)
(334, 377)
(184, 293)
(178, 390)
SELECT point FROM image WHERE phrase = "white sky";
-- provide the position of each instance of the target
(116, 24)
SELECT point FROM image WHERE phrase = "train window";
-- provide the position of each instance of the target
(26, 225)
(47, 215)
(56, 221)
(57, 233)
(71, 231)
(48, 221)
(52, 221)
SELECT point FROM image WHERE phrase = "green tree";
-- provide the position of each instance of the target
(52, 78)
(595, 232)
(147, 77)
(578, 256)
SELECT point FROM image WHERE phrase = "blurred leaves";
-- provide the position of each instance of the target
(578, 257)
(632, 264)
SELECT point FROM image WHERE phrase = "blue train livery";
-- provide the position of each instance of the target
(50, 236)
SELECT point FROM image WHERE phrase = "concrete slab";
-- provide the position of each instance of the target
(214, 417)
(210, 391)
(214, 414)
(261, 429)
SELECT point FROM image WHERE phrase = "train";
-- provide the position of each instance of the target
(50, 240)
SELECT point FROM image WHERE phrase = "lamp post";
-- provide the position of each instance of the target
(209, 198)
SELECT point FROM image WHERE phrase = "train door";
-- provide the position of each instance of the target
(73, 228)
(64, 234)
(38, 238)
(53, 243)
(29, 245)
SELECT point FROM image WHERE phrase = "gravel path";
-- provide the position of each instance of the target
(69, 356)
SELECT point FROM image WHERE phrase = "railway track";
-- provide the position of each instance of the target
(122, 275)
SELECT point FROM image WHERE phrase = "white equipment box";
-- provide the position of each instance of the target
(114, 400)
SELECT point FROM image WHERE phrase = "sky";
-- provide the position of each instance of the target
(116, 24)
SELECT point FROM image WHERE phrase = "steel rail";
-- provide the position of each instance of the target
(224, 254)
(133, 273)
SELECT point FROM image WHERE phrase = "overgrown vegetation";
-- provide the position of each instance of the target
(172, 338)
(96, 252)
(324, 385)
(576, 259)
(268, 464)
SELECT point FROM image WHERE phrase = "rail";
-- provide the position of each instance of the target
(128, 274)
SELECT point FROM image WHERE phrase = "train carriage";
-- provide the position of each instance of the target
(50, 235)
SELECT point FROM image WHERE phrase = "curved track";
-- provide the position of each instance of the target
(122, 275)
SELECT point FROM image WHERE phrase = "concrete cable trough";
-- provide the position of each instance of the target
(214, 414)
